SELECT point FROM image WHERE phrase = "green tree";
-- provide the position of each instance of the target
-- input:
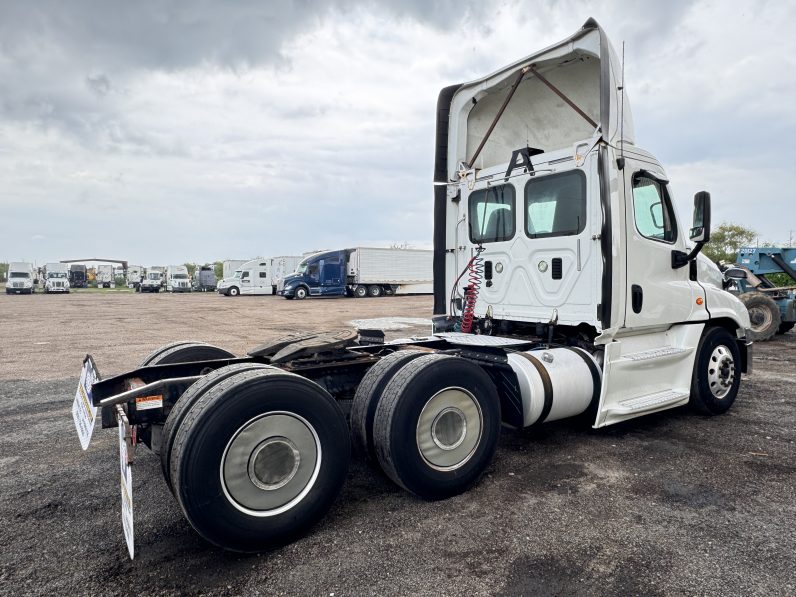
(725, 241)
(3, 272)
(218, 269)
(191, 269)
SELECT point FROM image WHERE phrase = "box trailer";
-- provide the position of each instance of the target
(135, 274)
(361, 272)
(21, 278)
(105, 278)
(565, 285)
(204, 279)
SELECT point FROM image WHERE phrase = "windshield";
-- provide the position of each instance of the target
(154, 276)
(180, 276)
(56, 275)
(237, 274)
(301, 268)
(20, 275)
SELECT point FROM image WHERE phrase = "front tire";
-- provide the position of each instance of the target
(764, 315)
(259, 459)
(301, 293)
(717, 373)
(437, 425)
(233, 291)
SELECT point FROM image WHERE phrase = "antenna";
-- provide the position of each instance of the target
(622, 111)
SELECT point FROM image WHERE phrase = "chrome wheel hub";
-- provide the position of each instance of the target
(721, 371)
(449, 429)
(270, 464)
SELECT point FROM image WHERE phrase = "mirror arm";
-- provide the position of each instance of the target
(681, 259)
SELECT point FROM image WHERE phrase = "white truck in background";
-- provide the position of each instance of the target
(361, 272)
(21, 279)
(177, 279)
(105, 277)
(135, 274)
(258, 276)
(56, 278)
(153, 279)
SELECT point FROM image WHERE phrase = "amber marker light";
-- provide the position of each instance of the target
(699, 300)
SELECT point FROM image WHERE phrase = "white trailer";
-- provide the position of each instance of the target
(565, 285)
(135, 274)
(21, 278)
(56, 278)
(258, 276)
(105, 277)
(177, 279)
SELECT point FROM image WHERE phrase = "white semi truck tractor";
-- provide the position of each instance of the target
(565, 285)
(56, 278)
(21, 278)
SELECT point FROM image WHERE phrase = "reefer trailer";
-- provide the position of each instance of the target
(565, 285)
(361, 272)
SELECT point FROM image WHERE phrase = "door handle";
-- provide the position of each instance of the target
(636, 298)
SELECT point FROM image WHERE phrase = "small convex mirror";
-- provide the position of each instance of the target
(735, 273)
(700, 229)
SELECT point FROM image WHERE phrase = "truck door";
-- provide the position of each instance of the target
(262, 284)
(246, 282)
(331, 273)
(539, 253)
(656, 294)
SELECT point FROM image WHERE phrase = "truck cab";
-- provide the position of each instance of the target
(258, 276)
(56, 278)
(177, 279)
(77, 276)
(549, 220)
(152, 280)
(20, 278)
(321, 274)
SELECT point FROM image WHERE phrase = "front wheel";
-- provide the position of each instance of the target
(233, 291)
(301, 293)
(717, 373)
(259, 459)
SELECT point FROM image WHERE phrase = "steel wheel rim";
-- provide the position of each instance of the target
(449, 429)
(301, 293)
(270, 463)
(760, 318)
(721, 372)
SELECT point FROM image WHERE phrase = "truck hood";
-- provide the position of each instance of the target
(583, 67)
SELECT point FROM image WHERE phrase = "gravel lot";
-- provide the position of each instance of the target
(671, 503)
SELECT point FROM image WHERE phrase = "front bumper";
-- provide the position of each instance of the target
(287, 292)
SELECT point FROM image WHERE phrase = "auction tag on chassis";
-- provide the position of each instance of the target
(83, 412)
(126, 481)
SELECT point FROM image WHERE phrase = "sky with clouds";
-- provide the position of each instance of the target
(166, 131)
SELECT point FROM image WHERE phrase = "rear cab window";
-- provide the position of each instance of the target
(555, 205)
(491, 214)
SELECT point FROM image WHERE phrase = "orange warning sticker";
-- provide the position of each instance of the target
(147, 402)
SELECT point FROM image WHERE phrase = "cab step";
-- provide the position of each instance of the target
(656, 353)
(650, 402)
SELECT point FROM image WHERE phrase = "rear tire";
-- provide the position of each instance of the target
(186, 401)
(185, 351)
(360, 291)
(259, 459)
(764, 315)
(374, 291)
(437, 425)
(717, 373)
(366, 399)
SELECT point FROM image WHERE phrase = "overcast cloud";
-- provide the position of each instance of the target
(164, 132)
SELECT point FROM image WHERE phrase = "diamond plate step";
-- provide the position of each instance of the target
(650, 402)
(655, 353)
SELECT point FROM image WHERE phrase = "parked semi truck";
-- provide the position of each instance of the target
(565, 285)
(204, 279)
(177, 279)
(772, 308)
(135, 274)
(105, 277)
(56, 278)
(153, 279)
(21, 278)
(258, 276)
(360, 272)
(78, 277)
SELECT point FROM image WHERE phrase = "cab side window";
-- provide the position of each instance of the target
(652, 209)
(492, 214)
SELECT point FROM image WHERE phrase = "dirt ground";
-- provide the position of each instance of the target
(667, 504)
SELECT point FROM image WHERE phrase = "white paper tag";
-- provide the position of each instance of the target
(126, 481)
(83, 412)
